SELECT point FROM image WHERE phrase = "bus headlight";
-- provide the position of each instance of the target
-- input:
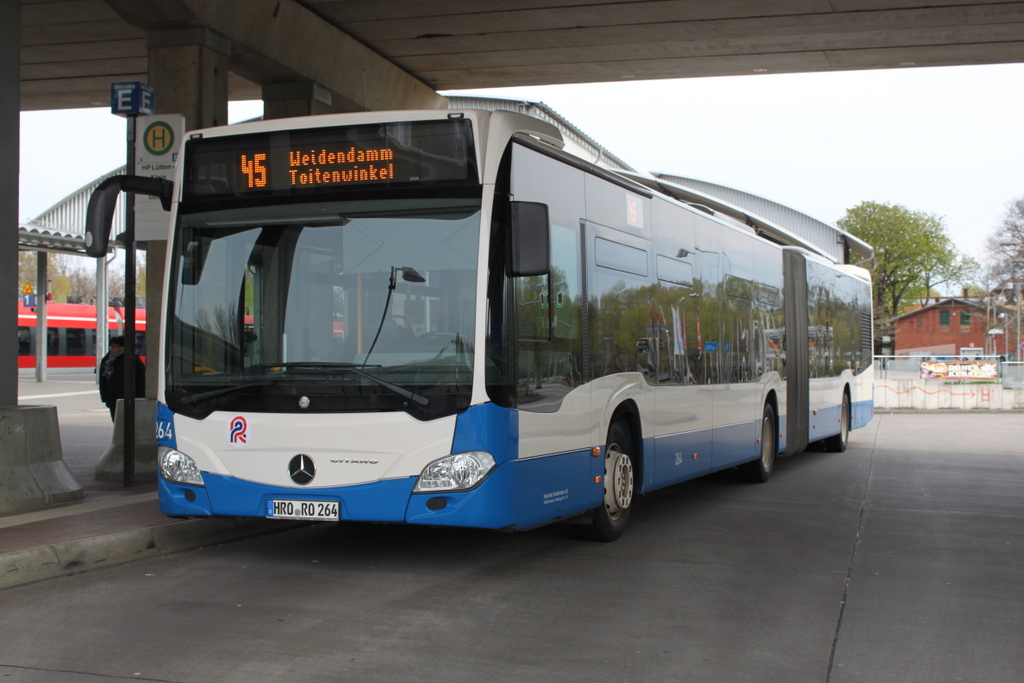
(456, 472)
(177, 467)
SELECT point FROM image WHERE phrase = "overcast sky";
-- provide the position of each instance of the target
(945, 141)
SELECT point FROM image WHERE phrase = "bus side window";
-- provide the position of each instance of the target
(550, 334)
(532, 307)
(548, 307)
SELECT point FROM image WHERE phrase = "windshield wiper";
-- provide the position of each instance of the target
(354, 368)
(214, 393)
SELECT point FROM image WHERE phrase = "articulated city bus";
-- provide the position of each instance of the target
(442, 318)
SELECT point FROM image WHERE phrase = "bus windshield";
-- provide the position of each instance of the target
(327, 306)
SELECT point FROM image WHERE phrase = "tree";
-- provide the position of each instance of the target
(983, 284)
(73, 278)
(1006, 244)
(913, 254)
(115, 277)
(1006, 248)
(26, 269)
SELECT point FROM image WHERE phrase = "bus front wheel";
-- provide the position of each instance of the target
(760, 470)
(609, 520)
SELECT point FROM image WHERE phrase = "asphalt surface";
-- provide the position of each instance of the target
(897, 560)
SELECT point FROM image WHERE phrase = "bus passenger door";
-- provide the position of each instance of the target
(737, 394)
(682, 424)
(551, 396)
(626, 336)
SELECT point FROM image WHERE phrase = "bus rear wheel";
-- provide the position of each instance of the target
(760, 470)
(609, 520)
(838, 443)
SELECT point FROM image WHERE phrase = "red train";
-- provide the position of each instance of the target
(71, 334)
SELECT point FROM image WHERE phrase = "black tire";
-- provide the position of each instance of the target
(759, 471)
(609, 520)
(838, 442)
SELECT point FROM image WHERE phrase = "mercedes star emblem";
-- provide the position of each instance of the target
(302, 469)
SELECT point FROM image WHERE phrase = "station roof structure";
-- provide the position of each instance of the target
(73, 49)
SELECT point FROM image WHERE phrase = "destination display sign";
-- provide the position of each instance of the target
(318, 159)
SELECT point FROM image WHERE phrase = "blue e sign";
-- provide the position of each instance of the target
(129, 99)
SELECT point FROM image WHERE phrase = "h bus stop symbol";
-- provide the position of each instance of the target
(158, 138)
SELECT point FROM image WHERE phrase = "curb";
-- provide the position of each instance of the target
(21, 567)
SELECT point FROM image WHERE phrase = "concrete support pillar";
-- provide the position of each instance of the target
(284, 100)
(32, 469)
(10, 104)
(188, 69)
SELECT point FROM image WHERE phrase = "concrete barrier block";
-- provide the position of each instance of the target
(32, 469)
(56, 479)
(111, 465)
(19, 489)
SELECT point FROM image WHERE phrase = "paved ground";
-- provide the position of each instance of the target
(898, 560)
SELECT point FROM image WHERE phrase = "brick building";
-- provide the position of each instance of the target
(952, 325)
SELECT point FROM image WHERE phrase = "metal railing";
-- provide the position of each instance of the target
(1012, 374)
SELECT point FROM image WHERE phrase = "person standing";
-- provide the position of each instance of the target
(112, 375)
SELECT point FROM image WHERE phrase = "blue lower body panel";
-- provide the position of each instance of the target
(861, 413)
(491, 505)
(827, 422)
(494, 504)
(383, 501)
(517, 494)
(557, 486)
(823, 423)
(736, 444)
(678, 457)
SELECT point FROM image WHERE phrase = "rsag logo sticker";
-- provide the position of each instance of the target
(238, 431)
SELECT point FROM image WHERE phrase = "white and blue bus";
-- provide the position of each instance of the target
(442, 318)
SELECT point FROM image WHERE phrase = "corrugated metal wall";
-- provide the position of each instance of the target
(62, 226)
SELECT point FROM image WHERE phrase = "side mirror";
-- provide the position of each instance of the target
(530, 239)
(100, 212)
